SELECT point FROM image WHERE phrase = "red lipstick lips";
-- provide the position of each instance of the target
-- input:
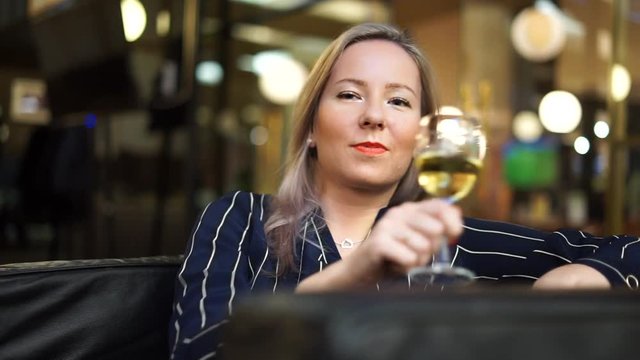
(370, 148)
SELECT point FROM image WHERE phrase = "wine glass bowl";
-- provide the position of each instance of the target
(448, 156)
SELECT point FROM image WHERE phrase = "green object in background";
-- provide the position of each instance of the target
(530, 166)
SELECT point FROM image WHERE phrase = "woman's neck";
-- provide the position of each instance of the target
(350, 213)
(350, 204)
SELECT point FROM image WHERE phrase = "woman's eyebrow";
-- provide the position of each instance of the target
(388, 86)
(351, 80)
(400, 86)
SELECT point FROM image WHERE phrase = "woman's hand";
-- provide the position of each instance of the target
(572, 276)
(406, 236)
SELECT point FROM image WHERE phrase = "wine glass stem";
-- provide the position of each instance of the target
(443, 255)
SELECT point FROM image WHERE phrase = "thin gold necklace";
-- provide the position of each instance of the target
(348, 243)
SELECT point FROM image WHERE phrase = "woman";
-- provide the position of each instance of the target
(344, 216)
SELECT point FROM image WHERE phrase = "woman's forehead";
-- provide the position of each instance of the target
(377, 60)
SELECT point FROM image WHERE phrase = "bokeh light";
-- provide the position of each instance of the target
(259, 135)
(581, 145)
(209, 72)
(527, 127)
(449, 110)
(538, 33)
(601, 129)
(281, 77)
(134, 19)
(620, 82)
(560, 112)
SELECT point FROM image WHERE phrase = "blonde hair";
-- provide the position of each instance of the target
(296, 198)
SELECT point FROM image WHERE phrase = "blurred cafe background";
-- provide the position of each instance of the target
(121, 119)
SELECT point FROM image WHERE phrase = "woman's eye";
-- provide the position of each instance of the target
(399, 102)
(347, 95)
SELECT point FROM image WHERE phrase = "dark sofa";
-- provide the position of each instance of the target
(87, 309)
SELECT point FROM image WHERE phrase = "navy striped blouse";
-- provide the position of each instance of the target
(227, 258)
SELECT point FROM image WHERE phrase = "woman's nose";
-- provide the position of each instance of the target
(373, 117)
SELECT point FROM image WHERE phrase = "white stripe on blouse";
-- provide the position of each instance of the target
(275, 284)
(324, 257)
(203, 313)
(520, 276)
(235, 268)
(186, 259)
(551, 254)
(176, 325)
(304, 240)
(204, 332)
(266, 255)
(492, 253)
(625, 248)
(503, 233)
(575, 245)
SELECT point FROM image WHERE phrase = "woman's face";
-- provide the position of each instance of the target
(367, 117)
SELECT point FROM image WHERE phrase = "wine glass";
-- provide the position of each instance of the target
(448, 156)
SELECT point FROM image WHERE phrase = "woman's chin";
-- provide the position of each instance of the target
(375, 183)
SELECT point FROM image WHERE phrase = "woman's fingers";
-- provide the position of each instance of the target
(430, 218)
(448, 216)
(403, 256)
(410, 233)
(416, 241)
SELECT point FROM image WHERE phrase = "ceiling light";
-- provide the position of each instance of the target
(134, 19)
(581, 145)
(538, 33)
(620, 82)
(281, 77)
(351, 11)
(560, 111)
(260, 34)
(601, 129)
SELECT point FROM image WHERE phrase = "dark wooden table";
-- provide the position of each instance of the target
(472, 323)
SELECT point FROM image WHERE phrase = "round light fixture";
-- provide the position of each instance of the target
(527, 127)
(601, 129)
(134, 19)
(560, 112)
(281, 79)
(581, 145)
(538, 33)
(620, 82)
(209, 72)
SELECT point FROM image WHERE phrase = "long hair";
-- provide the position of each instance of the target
(296, 198)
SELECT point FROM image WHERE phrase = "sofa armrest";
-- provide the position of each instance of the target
(87, 309)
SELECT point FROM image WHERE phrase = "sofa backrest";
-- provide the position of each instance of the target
(87, 309)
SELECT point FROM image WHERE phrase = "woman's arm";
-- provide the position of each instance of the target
(597, 262)
(565, 258)
(572, 276)
(213, 274)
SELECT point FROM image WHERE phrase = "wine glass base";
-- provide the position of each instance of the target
(441, 274)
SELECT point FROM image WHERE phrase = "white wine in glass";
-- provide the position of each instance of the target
(448, 156)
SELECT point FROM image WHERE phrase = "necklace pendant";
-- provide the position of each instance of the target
(346, 244)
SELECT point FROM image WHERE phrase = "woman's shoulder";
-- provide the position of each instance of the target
(237, 202)
(242, 196)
